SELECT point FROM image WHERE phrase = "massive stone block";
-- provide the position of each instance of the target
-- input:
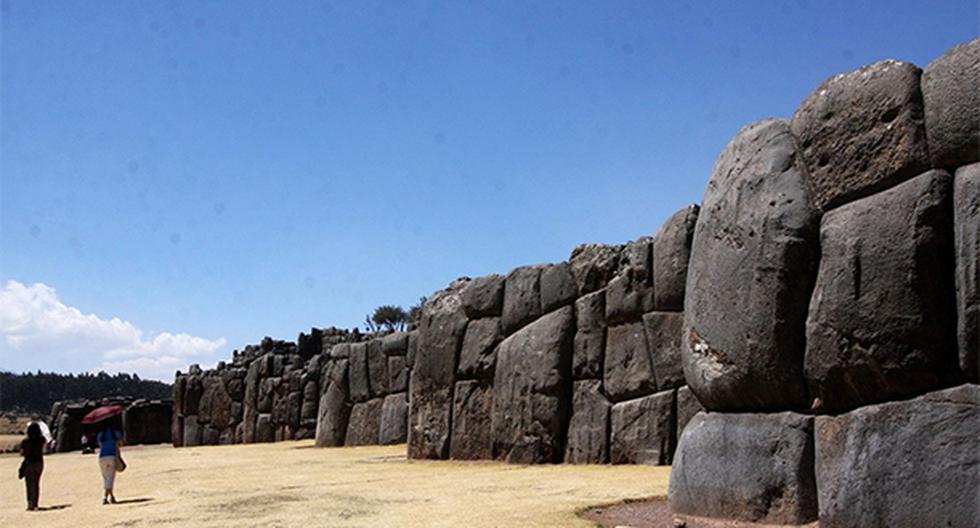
(267, 389)
(483, 296)
(752, 266)
(215, 404)
(951, 92)
(193, 432)
(594, 265)
(862, 132)
(311, 400)
(531, 390)
(882, 317)
(333, 413)
(522, 298)
(627, 298)
(250, 411)
(477, 357)
(395, 344)
(265, 429)
(193, 391)
(909, 463)
(687, 406)
(590, 336)
(472, 409)
(966, 212)
(664, 331)
(751, 467)
(364, 426)
(360, 385)
(397, 374)
(377, 364)
(558, 286)
(628, 367)
(394, 420)
(671, 252)
(588, 429)
(641, 431)
(434, 374)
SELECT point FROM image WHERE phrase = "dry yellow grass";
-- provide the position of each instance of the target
(294, 484)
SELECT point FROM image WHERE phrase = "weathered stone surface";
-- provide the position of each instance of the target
(594, 265)
(377, 369)
(671, 252)
(394, 420)
(588, 429)
(210, 435)
(413, 345)
(311, 399)
(558, 286)
(628, 367)
(966, 212)
(397, 374)
(909, 463)
(751, 467)
(664, 331)
(267, 388)
(148, 422)
(522, 298)
(590, 336)
(531, 386)
(882, 317)
(193, 391)
(627, 299)
(180, 384)
(333, 412)
(477, 357)
(360, 386)
(636, 261)
(434, 374)
(472, 410)
(340, 351)
(395, 344)
(862, 132)
(752, 266)
(951, 92)
(641, 431)
(265, 429)
(687, 406)
(364, 426)
(215, 404)
(483, 296)
(177, 430)
(250, 412)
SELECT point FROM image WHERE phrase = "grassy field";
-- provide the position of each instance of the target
(295, 484)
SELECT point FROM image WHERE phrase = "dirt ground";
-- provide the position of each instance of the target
(295, 484)
(655, 513)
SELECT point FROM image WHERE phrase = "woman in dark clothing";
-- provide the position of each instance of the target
(32, 449)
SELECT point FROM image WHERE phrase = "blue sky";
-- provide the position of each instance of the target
(182, 178)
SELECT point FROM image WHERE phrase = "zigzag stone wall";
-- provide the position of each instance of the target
(832, 308)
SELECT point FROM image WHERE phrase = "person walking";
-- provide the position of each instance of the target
(110, 455)
(32, 449)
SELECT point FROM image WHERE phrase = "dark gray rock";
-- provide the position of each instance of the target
(531, 390)
(311, 400)
(413, 345)
(397, 374)
(267, 388)
(472, 411)
(664, 331)
(951, 92)
(522, 298)
(265, 430)
(477, 357)
(627, 299)
(750, 467)
(483, 296)
(636, 261)
(360, 385)
(250, 412)
(558, 286)
(340, 351)
(364, 426)
(909, 463)
(588, 429)
(752, 266)
(883, 315)
(687, 406)
(966, 212)
(377, 369)
(594, 265)
(434, 374)
(333, 413)
(193, 391)
(176, 430)
(210, 435)
(641, 431)
(628, 367)
(394, 420)
(862, 132)
(590, 336)
(395, 344)
(180, 384)
(671, 252)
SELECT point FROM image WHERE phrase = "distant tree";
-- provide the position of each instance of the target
(36, 392)
(390, 317)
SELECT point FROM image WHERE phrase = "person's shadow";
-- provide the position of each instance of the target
(55, 507)
(134, 501)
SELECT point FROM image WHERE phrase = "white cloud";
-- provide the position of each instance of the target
(38, 330)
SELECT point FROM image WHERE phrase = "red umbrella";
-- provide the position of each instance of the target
(106, 411)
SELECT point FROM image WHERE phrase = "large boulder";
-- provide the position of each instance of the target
(333, 412)
(434, 373)
(364, 426)
(477, 357)
(951, 92)
(397, 374)
(664, 331)
(588, 429)
(377, 363)
(627, 367)
(472, 409)
(193, 432)
(671, 252)
(360, 384)
(908, 463)
(966, 214)
(265, 429)
(394, 420)
(863, 131)
(750, 467)
(687, 406)
(558, 286)
(530, 390)
(483, 296)
(590, 335)
(395, 344)
(883, 316)
(752, 265)
(594, 265)
(641, 431)
(250, 411)
(522, 298)
(215, 404)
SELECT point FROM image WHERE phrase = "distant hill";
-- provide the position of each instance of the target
(36, 392)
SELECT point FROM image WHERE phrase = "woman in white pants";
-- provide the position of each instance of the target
(109, 441)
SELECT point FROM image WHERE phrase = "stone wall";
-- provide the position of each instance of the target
(831, 324)
(144, 422)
